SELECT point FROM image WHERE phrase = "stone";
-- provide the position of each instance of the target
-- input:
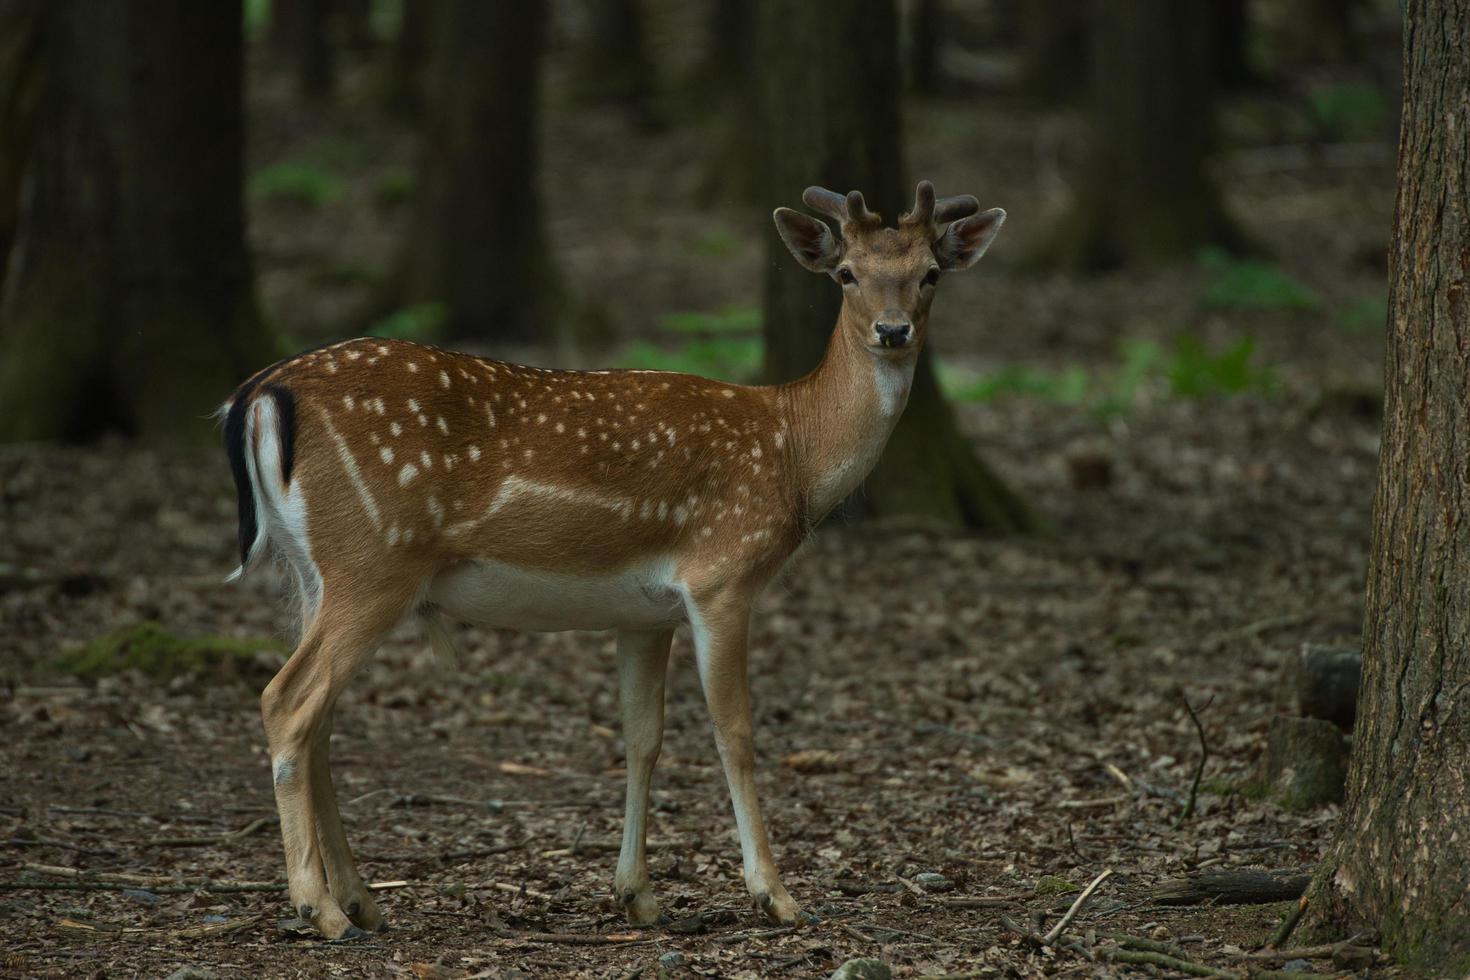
(863, 969)
(1305, 764)
(932, 882)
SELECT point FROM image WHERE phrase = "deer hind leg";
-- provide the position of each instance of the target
(643, 659)
(721, 624)
(343, 881)
(296, 709)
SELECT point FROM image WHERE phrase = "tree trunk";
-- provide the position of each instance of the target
(614, 67)
(722, 95)
(1146, 195)
(1054, 50)
(1402, 854)
(926, 28)
(404, 87)
(299, 33)
(128, 305)
(829, 101)
(20, 75)
(477, 244)
(1232, 45)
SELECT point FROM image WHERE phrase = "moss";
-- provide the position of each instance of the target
(153, 650)
(1053, 885)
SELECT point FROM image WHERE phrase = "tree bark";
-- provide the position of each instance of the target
(926, 31)
(478, 244)
(404, 85)
(1146, 195)
(1054, 52)
(20, 74)
(614, 66)
(129, 304)
(1402, 854)
(829, 102)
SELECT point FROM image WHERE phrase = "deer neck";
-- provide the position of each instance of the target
(841, 416)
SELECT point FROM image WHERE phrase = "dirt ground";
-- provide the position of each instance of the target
(927, 703)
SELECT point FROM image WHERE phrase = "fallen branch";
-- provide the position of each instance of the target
(1237, 887)
(982, 901)
(1051, 937)
(1150, 958)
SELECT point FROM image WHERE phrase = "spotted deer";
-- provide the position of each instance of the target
(396, 478)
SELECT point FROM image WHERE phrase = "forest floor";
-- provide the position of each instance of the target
(927, 703)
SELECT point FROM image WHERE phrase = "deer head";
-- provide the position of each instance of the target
(888, 275)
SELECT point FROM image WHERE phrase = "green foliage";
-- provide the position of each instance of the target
(418, 322)
(1055, 885)
(257, 17)
(724, 345)
(726, 358)
(716, 243)
(730, 320)
(150, 648)
(1194, 372)
(1363, 315)
(1190, 370)
(301, 184)
(1349, 110)
(1248, 284)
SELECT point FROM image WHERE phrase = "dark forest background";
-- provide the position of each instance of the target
(1075, 622)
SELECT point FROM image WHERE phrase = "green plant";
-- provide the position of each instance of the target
(1248, 284)
(1363, 315)
(416, 322)
(296, 183)
(1194, 372)
(731, 319)
(726, 358)
(150, 648)
(717, 243)
(1348, 110)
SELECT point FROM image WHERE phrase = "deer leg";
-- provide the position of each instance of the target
(296, 709)
(643, 659)
(343, 881)
(721, 625)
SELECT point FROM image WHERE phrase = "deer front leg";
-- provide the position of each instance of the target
(721, 625)
(643, 659)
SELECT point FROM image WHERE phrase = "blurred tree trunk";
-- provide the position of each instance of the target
(404, 88)
(723, 97)
(1232, 45)
(614, 66)
(477, 244)
(20, 75)
(1402, 854)
(829, 98)
(299, 33)
(1320, 32)
(1054, 51)
(129, 304)
(926, 74)
(1146, 194)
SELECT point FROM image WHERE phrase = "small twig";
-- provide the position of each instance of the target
(1322, 952)
(982, 901)
(1072, 842)
(1051, 937)
(178, 932)
(234, 835)
(1199, 770)
(581, 939)
(1288, 925)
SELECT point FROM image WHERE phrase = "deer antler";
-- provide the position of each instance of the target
(931, 213)
(847, 211)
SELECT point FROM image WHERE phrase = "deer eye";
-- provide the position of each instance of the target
(845, 276)
(931, 277)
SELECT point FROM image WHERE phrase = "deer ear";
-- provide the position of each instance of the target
(808, 239)
(966, 240)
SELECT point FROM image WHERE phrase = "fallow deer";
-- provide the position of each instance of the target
(396, 478)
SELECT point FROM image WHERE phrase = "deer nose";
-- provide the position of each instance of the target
(893, 330)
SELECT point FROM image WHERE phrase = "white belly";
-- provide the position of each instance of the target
(493, 594)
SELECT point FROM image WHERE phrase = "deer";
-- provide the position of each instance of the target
(394, 479)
